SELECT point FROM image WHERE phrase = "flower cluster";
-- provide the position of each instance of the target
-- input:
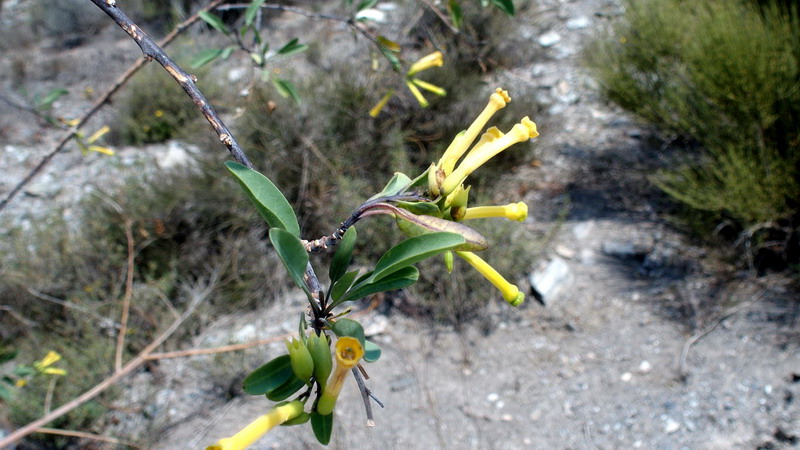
(414, 84)
(446, 183)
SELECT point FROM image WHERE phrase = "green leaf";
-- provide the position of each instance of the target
(455, 13)
(372, 352)
(286, 390)
(251, 11)
(214, 21)
(341, 286)
(292, 254)
(322, 426)
(349, 327)
(292, 48)
(413, 250)
(343, 255)
(402, 278)
(205, 57)
(302, 327)
(5, 394)
(286, 89)
(396, 66)
(507, 6)
(7, 355)
(366, 4)
(396, 185)
(267, 198)
(269, 376)
(299, 420)
(50, 98)
(227, 51)
(421, 208)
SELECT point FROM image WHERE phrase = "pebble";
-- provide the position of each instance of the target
(549, 39)
(507, 418)
(671, 426)
(493, 397)
(578, 23)
(626, 377)
(645, 367)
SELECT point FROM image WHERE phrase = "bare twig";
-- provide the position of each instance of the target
(99, 103)
(81, 434)
(126, 301)
(215, 350)
(132, 365)
(365, 395)
(152, 50)
(683, 370)
(17, 316)
(104, 321)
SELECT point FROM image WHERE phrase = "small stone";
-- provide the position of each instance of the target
(768, 389)
(671, 426)
(493, 397)
(626, 377)
(549, 278)
(625, 249)
(246, 334)
(565, 252)
(376, 326)
(578, 23)
(507, 418)
(645, 367)
(549, 39)
(500, 404)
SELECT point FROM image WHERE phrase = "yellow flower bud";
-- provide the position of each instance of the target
(435, 59)
(430, 87)
(417, 94)
(321, 354)
(300, 358)
(49, 359)
(259, 427)
(513, 211)
(381, 104)
(511, 293)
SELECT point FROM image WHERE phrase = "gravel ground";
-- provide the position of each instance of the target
(599, 366)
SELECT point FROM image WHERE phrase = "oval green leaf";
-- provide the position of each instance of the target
(286, 89)
(269, 376)
(214, 21)
(251, 11)
(343, 255)
(292, 254)
(349, 327)
(286, 390)
(322, 426)
(205, 57)
(341, 286)
(372, 352)
(396, 185)
(292, 47)
(507, 6)
(413, 250)
(398, 280)
(299, 420)
(267, 198)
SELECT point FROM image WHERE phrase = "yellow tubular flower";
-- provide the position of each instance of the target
(259, 427)
(512, 211)
(381, 104)
(417, 94)
(348, 353)
(511, 293)
(49, 359)
(430, 87)
(435, 59)
(98, 134)
(54, 371)
(521, 132)
(498, 100)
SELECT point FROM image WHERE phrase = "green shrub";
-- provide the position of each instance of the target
(725, 75)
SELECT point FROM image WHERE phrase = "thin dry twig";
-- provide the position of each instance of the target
(215, 350)
(683, 369)
(84, 435)
(126, 301)
(99, 103)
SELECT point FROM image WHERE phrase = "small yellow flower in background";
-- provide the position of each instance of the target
(513, 211)
(435, 59)
(381, 104)
(21, 383)
(429, 87)
(348, 353)
(43, 366)
(259, 427)
(511, 292)
(417, 94)
(158, 113)
(98, 134)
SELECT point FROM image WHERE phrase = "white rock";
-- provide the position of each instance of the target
(549, 39)
(549, 278)
(493, 397)
(578, 23)
(377, 325)
(373, 15)
(565, 252)
(246, 334)
(671, 426)
(626, 377)
(645, 367)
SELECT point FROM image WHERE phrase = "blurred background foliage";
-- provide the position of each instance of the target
(723, 79)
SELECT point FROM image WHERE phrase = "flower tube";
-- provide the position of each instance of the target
(497, 101)
(521, 132)
(513, 211)
(435, 59)
(348, 352)
(259, 427)
(511, 293)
